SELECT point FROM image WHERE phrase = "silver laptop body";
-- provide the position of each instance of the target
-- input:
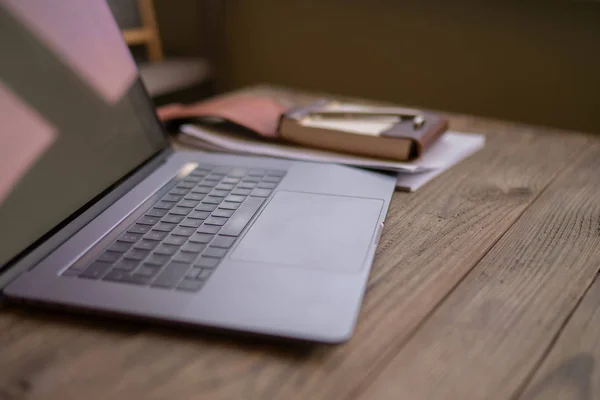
(275, 247)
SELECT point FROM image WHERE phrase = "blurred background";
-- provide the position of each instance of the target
(530, 62)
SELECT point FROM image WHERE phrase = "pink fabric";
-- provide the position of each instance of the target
(259, 114)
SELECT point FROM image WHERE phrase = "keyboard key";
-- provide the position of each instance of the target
(225, 186)
(164, 227)
(146, 271)
(191, 223)
(242, 216)
(213, 178)
(204, 274)
(220, 170)
(155, 235)
(237, 172)
(199, 172)
(216, 221)
(257, 172)
(253, 179)
(194, 196)
(157, 212)
(139, 228)
(207, 262)
(199, 214)
(235, 199)
(164, 205)
(175, 240)
(188, 203)
(145, 220)
(119, 275)
(227, 205)
(274, 179)
(119, 246)
(130, 237)
(157, 259)
(201, 190)
(167, 249)
(208, 184)
(214, 252)
(261, 192)
(183, 231)
(219, 193)
(127, 265)
(247, 185)
(267, 185)
(212, 229)
(96, 270)
(192, 178)
(190, 285)
(192, 247)
(223, 241)
(201, 238)
(185, 257)
(110, 256)
(193, 273)
(211, 200)
(171, 275)
(180, 211)
(222, 213)
(229, 180)
(146, 244)
(206, 207)
(178, 191)
(186, 185)
(173, 198)
(277, 172)
(173, 219)
(136, 254)
(242, 192)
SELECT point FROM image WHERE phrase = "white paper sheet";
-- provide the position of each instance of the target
(449, 149)
(236, 144)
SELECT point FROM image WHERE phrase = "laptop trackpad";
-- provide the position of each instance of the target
(312, 231)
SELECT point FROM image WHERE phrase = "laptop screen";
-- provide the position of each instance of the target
(74, 116)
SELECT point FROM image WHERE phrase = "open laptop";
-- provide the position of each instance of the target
(98, 213)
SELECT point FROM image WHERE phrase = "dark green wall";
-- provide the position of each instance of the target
(534, 63)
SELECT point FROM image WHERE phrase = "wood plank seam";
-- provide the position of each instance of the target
(529, 378)
(385, 360)
(580, 295)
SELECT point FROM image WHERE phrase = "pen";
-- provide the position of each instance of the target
(418, 119)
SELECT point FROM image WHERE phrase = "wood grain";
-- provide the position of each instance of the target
(572, 369)
(493, 330)
(432, 239)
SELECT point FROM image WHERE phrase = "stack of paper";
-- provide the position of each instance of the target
(449, 149)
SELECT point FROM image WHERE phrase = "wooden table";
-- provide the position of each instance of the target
(483, 287)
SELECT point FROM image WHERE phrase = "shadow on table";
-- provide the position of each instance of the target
(121, 325)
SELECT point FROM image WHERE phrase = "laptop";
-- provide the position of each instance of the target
(99, 214)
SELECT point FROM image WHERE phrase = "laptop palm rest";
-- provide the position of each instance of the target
(309, 230)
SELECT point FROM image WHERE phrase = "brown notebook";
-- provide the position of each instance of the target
(387, 132)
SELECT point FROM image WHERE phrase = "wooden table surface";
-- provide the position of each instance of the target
(484, 287)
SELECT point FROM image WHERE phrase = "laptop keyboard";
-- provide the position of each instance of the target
(179, 241)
